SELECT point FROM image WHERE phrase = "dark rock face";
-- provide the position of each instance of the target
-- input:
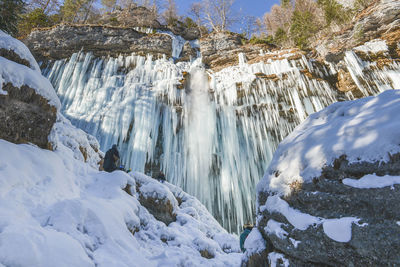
(11, 55)
(186, 33)
(25, 116)
(375, 239)
(63, 40)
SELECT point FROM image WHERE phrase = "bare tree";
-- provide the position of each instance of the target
(219, 14)
(48, 6)
(248, 25)
(278, 18)
(196, 12)
(170, 14)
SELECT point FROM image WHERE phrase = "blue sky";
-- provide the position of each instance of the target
(255, 8)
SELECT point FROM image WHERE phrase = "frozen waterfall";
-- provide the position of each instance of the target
(211, 133)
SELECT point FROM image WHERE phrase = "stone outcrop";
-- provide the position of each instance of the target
(133, 16)
(380, 20)
(374, 240)
(340, 210)
(221, 50)
(25, 116)
(157, 200)
(63, 40)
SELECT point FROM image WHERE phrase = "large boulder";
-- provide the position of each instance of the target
(28, 103)
(330, 195)
(29, 107)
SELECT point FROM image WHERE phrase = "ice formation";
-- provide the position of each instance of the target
(212, 136)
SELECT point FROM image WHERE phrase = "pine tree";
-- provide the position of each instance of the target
(10, 12)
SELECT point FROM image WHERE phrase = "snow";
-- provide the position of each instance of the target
(58, 211)
(364, 130)
(372, 181)
(273, 227)
(374, 47)
(254, 242)
(63, 132)
(298, 219)
(19, 75)
(336, 229)
(2, 92)
(339, 229)
(9, 43)
(274, 259)
(294, 242)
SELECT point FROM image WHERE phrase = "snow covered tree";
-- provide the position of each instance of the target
(10, 11)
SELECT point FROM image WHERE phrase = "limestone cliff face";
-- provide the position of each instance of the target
(63, 40)
(380, 20)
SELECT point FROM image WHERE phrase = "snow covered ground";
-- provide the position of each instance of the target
(59, 211)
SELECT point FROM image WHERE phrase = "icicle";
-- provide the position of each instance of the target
(215, 137)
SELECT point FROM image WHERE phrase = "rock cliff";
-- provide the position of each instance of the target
(329, 199)
(63, 40)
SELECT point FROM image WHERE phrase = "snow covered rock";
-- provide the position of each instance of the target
(58, 211)
(29, 106)
(28, 102)
(331, 192)
(85, 147)
(157, 199)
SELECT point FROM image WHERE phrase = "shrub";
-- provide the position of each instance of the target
(303, 28)
(35, 19)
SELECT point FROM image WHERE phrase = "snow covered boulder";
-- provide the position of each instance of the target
(330, 195)
(157, 199)
(28, 102)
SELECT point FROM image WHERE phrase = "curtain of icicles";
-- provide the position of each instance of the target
(213, 134)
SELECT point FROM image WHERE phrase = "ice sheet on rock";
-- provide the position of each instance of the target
(275, 258)
(9, 43)
(19, 75)
(363, 130)
(177, 43)
(372, 181)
